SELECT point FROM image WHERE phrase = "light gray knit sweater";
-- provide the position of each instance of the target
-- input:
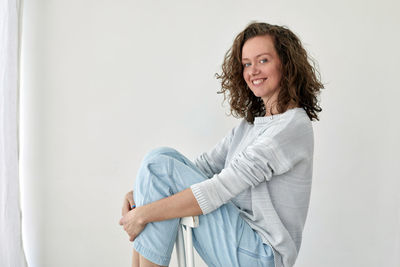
(265, 169)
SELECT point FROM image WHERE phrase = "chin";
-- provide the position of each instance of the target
(259, 94)
(264, 93)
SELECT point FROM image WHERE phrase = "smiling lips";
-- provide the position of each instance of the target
(257, 81)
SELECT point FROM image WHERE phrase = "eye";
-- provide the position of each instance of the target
(263, 60)
(246, 64)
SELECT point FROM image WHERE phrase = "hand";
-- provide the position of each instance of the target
(128, 203)
(133, 223)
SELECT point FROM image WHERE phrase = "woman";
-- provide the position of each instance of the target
(252, 189)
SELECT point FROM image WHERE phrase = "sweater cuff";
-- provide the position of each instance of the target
(201, 199)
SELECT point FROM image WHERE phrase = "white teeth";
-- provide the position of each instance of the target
(255, 82)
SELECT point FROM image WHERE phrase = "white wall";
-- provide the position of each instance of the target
(105, 81)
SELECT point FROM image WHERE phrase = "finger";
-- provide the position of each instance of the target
(129, 195)
(121, 222)
(124, 211)
(131, 201)
(126, 208)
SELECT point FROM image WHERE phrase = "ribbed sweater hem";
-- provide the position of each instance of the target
(201, 200)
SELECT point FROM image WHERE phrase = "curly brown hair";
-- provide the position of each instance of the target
(299, 84)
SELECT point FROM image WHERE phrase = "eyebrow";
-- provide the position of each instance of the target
(259, 55)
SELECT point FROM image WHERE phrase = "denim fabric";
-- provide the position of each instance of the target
(223, 238)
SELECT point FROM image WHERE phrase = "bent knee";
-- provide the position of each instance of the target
(160, 151)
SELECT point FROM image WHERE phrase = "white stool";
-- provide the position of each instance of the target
(186, 259)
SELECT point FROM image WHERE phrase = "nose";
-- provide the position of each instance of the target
(254, 70)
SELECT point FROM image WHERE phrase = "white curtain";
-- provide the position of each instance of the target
(11, 250)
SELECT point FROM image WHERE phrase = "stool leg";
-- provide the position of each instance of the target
(180, 248)
(186, 256)
(189, 247)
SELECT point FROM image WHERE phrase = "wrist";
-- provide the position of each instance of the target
(142, 214)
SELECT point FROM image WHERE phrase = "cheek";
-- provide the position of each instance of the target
(276, 73)
(278, 70)
(245, 77)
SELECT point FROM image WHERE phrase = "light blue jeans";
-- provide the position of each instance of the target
(223, 238)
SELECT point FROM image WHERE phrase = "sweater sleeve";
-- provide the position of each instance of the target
(213, 161)
(259, 162)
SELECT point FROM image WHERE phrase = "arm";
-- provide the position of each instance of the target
(179, 205)
(266, 157)
(213, 161)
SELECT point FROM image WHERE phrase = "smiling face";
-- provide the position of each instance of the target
(261, 67)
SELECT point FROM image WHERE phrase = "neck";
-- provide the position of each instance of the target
(272, 108)
(270, 104)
